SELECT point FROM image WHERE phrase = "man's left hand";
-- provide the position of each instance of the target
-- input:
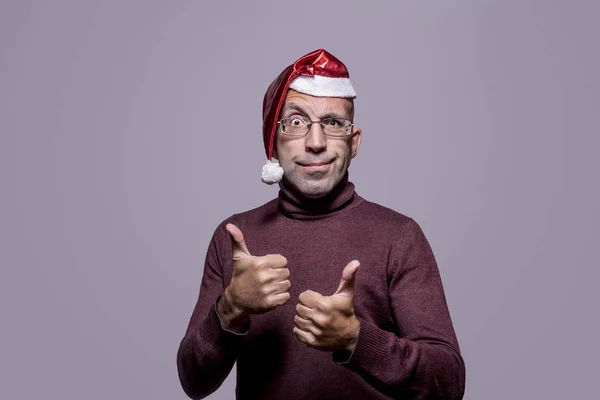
(328, 322)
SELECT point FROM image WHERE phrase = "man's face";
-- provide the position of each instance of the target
(315, 164)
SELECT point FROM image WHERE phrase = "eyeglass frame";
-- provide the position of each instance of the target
(320, 122)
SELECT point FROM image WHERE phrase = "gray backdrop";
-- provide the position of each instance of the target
(130, 129)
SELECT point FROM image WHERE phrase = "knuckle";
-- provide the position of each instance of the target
(260, 262)
(242, 264)
(326, 320)
(264, 290)
(262, 277)
(320, 320)
(324, 305)
(270, 304)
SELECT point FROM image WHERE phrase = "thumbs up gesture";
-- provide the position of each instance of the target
(258, 284)
(328, 322)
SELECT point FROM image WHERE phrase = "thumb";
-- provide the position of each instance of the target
(348, 275)
(237, 240)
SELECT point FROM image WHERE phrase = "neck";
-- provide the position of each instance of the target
(295, 204)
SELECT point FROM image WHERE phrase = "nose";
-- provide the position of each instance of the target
(315, 140)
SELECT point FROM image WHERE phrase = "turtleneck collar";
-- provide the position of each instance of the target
(294, 205)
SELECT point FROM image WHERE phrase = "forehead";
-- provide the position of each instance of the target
(310, 103)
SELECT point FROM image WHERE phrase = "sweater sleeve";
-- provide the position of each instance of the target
(422, 359)
(207, 352)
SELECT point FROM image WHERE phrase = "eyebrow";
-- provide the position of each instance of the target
(293, 107)
(296, 107)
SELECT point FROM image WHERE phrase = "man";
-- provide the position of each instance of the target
(319, 294)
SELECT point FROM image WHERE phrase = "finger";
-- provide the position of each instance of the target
(303, 311)
(301, 322)
(281, 287)
(274, 288)
(346, 286)
(305, 337)
(280, 274)
(307, 326)
(275, 261)
(237, 240)
(309, 298)
(281, 298)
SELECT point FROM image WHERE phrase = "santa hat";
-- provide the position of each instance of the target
(317, 74)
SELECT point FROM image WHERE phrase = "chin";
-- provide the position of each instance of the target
(315, 189)
(312, 185)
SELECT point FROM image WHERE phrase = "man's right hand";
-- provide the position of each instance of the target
(258, 284)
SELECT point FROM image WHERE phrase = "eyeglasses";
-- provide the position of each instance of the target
(297, 126)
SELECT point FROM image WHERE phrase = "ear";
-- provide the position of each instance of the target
(356, 140)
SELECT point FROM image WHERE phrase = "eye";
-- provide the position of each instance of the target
(332, 122)
(296, 122)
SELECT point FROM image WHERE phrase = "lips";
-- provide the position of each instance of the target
(315, 163)
(316, 166)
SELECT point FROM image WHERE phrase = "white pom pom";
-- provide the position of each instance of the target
(271, 172)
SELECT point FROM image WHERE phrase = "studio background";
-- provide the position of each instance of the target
(130, 129)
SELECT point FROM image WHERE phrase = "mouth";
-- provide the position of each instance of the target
(315, 166)
(315, 163)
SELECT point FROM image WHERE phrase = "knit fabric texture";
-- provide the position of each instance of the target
(406, 349)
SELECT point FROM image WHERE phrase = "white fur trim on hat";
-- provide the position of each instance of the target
(271, 172)
(323, 86)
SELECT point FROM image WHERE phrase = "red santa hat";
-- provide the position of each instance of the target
(317, 73)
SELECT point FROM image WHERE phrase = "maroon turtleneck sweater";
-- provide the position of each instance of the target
(406, 349)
